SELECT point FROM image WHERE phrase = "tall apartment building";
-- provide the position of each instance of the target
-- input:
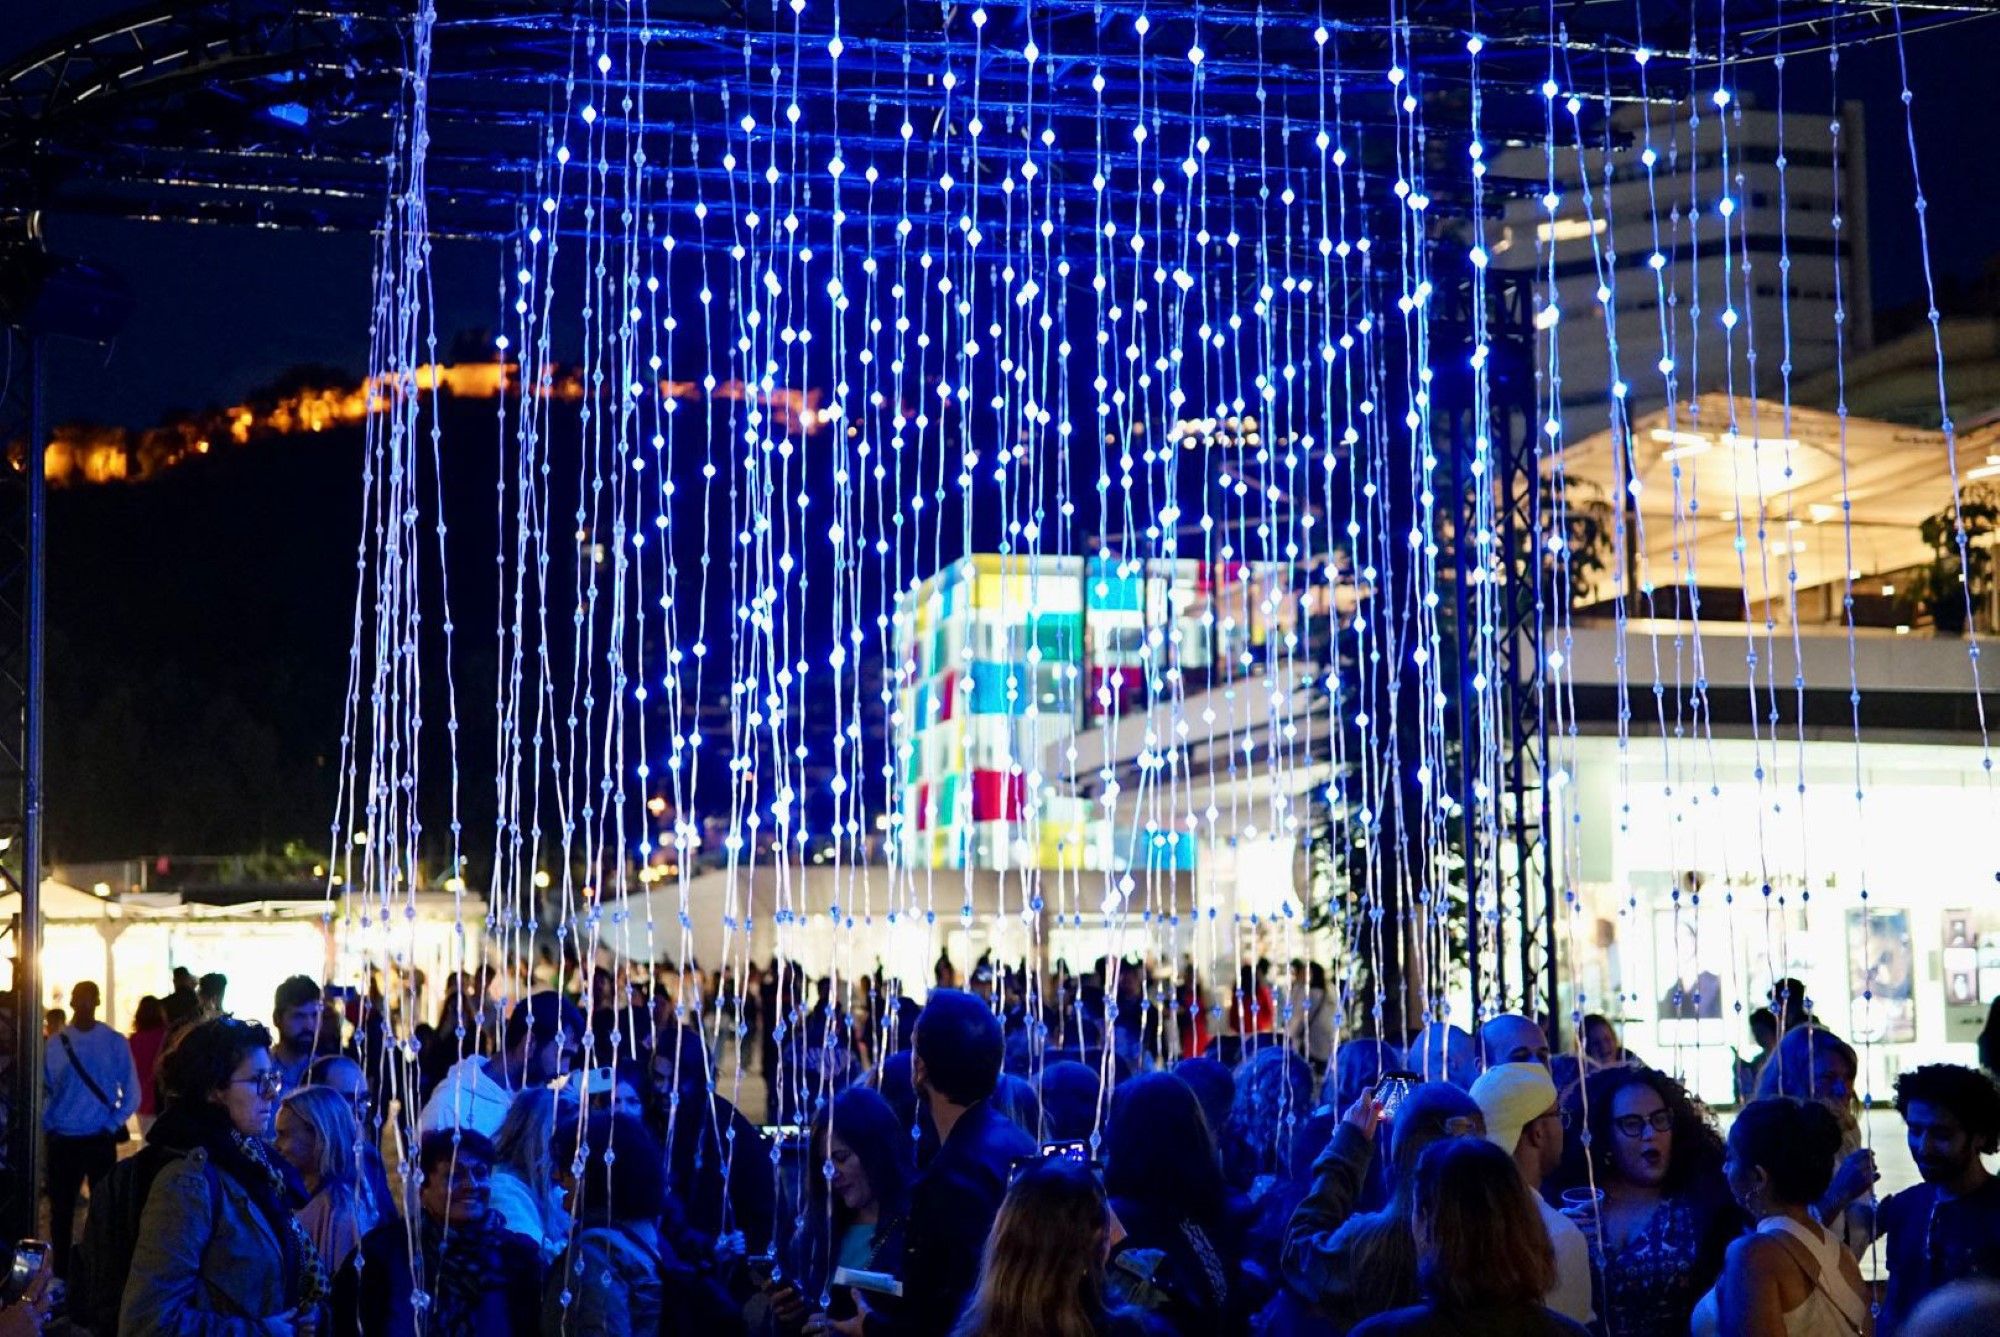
(1740, 253)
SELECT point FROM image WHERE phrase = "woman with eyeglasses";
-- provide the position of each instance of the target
(219, 1251)
(1658, 1232)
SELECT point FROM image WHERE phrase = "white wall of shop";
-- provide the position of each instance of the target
(1693, 815)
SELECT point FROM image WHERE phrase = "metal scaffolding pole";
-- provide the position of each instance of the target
(23, 517)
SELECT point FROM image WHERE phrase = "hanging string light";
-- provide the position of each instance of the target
(957, 385)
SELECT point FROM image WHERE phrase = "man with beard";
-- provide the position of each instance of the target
(1948, 1227)
(296, 1012)
(539, 1044)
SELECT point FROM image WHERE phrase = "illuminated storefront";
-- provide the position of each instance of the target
(1699, 885)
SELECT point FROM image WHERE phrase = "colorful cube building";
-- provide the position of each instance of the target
(1001, 659)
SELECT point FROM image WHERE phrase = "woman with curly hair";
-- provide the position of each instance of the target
(218, 1250)
(1274, 1094)
(1659, 1232)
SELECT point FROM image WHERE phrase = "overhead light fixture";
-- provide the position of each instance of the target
(1570, 229)
(1680, 445)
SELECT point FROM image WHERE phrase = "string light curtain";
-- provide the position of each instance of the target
(994, 475)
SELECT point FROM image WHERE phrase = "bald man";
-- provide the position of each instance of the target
(1512, 1038)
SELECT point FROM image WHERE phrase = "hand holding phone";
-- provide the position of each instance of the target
(789, 1307)
(1394, 1089)
(31, 1260)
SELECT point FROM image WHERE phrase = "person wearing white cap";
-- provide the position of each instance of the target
(1524, 1119)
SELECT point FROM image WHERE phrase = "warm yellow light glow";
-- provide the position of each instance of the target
(93, 454)
(1569, 229)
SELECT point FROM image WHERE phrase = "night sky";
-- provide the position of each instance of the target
(223, 310)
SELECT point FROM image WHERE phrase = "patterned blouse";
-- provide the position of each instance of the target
(1649, 1288)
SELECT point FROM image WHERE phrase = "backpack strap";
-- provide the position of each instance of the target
(212, 1177)
(638, 1242)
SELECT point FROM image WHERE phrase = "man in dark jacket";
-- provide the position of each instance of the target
(483, 1280)
(957, 1195)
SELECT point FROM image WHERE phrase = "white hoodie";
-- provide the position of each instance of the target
(468, 1097)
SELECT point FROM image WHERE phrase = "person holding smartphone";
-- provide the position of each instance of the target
(855, 1220)
(25, 1314)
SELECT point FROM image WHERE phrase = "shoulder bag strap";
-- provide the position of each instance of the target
(83, 1073)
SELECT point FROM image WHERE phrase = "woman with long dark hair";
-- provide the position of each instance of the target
(855, 1218)
(1043, 1273)
(609, 1282)
(218, 1247)
(1348, 1267)
(1658, 1233)
(1164, 1176)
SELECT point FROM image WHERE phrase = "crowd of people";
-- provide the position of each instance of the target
(968, 1168)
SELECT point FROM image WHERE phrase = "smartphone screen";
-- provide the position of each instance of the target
(1393, 1090)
